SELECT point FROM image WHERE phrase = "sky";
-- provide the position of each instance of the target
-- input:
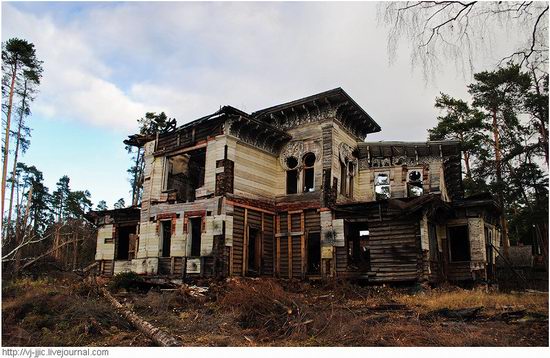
(107, 63)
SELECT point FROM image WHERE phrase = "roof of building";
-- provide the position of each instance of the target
(348, 109)
(408, 149)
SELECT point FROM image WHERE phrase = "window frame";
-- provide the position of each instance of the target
(312, 169)
(408, 181)
(376, 173)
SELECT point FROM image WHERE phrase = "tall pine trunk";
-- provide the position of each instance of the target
(23, 103)
(7, 139)
(500, 193)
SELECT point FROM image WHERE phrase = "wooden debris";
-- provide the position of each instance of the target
(157, 335)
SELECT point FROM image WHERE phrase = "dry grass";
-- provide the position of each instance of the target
(491, 301)
(49, 312)
(264, 312)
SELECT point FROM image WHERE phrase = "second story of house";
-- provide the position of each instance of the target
(309, 150)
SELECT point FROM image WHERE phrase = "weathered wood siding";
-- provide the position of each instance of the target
(257, 173)
(238, 241)
(105, 250)
(394, 245)
(268, 247)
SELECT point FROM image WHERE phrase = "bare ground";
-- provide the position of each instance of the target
(266, 312)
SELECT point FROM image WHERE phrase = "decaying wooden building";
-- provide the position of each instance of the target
(295, 191)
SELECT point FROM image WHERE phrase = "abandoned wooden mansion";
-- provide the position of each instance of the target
(296, 191)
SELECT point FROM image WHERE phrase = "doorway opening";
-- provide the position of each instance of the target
(196, 231)
(166, 238)
(357, 239)
(314, 253)
(254, 251)
(123, 241)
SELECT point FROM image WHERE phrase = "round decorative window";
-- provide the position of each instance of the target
(291, 162)
(309, 159)
(415, 176)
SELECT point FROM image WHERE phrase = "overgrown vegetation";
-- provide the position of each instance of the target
(263, 312)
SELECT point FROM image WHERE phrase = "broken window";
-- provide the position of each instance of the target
(382, 186)
(292, 175)
(309, 173)
(196, 232)
(166, 237)
(184, 174)
(414, 183)
(459, 243)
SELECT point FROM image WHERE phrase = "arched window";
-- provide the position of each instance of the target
(309, 172)
(292, 175)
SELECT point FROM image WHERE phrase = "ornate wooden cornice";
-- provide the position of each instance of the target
(333, 104)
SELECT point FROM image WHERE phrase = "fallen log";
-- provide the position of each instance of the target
(156, 334)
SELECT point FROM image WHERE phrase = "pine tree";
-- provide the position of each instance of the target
(18, 56)
(102, 205)
(500, 94)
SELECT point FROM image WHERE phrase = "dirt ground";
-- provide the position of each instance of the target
(67, 311)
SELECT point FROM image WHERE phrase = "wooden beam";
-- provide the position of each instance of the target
(289, 240)
(245, 242)
(302, 245)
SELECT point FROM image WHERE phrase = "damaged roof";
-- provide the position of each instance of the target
(336, 97)
(408, 149)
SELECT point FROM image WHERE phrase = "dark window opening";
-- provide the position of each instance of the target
(254, 252)
(434, 247)
(382, 186)
(292, 182)
(309, 172)
(414, 183)
(123, 241)
(196, 231)
(351, 170)
(166, 238)
(343, 178)
(357, 235)
(314, 253)
(459, 243)
(292, 175)
(185, 174)
(291, 162)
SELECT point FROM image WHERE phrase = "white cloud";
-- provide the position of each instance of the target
(109, 64)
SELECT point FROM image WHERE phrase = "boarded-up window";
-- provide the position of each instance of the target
(459, 243)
